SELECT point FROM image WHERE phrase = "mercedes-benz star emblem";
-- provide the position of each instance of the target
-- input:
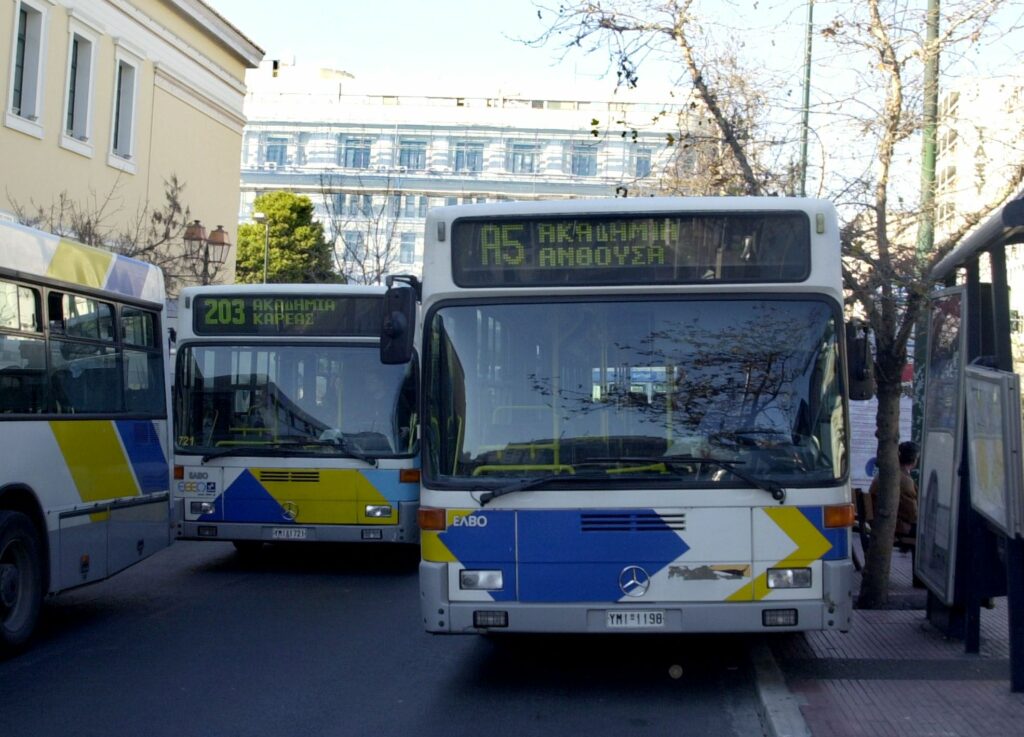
(290, 510)
(634, 581)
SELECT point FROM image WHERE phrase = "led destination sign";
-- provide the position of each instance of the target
(631, 249)
(322, 315)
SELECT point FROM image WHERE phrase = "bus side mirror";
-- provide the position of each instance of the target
(860, 364)
(397, 330)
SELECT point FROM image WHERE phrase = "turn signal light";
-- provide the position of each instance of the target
(839, 515)
(430, 518)
(179, 473)
(409, 476)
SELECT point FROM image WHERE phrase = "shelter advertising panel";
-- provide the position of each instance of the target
(994, 452)
(939, 484)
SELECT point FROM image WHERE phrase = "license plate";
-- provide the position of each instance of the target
(288, 533)
(635, 619)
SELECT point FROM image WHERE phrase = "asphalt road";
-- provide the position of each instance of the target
(306, 640)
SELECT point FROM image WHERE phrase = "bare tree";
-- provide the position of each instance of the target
(873, 125)
(726, 142)
(151, 234)
(364, 222)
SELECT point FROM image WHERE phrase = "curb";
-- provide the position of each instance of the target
(778, 708)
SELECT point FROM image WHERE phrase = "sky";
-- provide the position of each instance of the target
(471, 40)
(479, 44)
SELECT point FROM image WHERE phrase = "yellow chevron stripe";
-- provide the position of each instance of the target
(431, 547)
(93, 454)
(340, 497)
(433, 550)
(810, 546)
(77, 264)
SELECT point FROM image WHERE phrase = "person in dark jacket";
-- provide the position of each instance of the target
(906, 515)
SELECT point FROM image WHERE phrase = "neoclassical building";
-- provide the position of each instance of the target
(105, 100)
(373, 160)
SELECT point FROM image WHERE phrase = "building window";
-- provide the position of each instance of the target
(276, 151)
(124, 109)
(449, 201)
(424, 204)
(76, 119)
(642, 163)
(410, 206)
(367, 206)
(396, 205)
(412, 154)
(468, 156)
(407, 251)
(355, 245)
(355, 153)
(583, 161)
(26, 80)
(523, 158)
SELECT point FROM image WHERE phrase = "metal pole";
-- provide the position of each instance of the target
(1014, 545)
(926, 231)
(807, 99)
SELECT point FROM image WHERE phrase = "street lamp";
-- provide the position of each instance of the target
(261, 217)
(217, 247)
(195, 239)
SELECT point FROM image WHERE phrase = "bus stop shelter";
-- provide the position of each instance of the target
(983, 554)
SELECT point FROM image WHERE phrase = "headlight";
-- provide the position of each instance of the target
(481, 580)
(378, 511)
(789, 578)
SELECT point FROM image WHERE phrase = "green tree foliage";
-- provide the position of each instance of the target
(298, 252)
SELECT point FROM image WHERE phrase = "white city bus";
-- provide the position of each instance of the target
(634, 414)
(83, 419)
(287, 427)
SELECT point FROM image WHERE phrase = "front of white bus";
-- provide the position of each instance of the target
(635, 418)
(287, 427)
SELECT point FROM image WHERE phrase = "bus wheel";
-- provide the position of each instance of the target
(21, 581)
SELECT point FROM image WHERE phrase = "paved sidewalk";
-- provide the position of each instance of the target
(895, 674)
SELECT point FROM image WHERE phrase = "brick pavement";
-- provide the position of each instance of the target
(895, 674)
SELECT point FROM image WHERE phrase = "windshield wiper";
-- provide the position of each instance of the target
(537, 481)
(292, 446)
(775, 489)
(772, 487)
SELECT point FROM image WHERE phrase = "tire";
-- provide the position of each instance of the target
(21, 581)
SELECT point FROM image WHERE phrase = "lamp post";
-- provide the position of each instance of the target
(261, 217)
(195, 238)
(216, 251)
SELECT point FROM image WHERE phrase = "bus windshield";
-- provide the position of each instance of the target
(323, 399)
(636, 392)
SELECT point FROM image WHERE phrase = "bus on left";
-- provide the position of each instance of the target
(84, 475)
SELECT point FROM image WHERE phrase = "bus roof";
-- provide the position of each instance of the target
(635, 204)
(273, 289)
(37, 253)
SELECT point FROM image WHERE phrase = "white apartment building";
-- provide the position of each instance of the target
(980, 142)
(374, 160)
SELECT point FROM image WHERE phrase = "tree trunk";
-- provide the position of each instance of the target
(874, 589)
